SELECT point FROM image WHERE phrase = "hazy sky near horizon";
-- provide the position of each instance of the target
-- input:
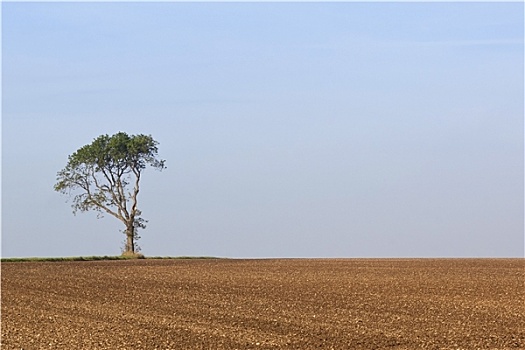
(289, 129)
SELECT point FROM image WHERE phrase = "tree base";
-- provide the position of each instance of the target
(131, 255)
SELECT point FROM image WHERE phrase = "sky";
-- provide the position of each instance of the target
(288, 129)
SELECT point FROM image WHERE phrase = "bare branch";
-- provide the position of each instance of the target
(135, 192)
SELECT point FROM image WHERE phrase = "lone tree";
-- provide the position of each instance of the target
(99, 176)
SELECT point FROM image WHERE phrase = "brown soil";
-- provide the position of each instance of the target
(265, 304)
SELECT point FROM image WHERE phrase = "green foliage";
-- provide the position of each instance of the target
(113, 157)
(119, 153)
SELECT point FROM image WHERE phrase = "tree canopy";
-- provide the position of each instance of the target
(105, 175)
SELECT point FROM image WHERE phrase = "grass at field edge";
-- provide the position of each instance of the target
(98, 258)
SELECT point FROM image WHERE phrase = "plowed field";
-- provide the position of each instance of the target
(265, 304)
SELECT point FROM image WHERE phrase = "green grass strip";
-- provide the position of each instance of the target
(97, 258)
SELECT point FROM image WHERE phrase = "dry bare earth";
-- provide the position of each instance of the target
(264, 304)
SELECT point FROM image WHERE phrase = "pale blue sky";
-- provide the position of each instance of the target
(289, 129)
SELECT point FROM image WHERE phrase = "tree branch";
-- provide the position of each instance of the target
(135, 192)
(118, 198)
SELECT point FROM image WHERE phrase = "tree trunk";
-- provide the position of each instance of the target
(130, 239)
